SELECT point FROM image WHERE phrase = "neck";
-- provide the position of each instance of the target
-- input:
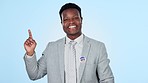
(73, 37)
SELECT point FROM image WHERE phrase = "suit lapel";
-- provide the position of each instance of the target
(61, 58)
(85, 51)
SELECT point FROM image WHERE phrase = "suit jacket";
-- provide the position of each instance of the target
(95, 69)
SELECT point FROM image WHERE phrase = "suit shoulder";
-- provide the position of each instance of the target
(56, 42)
(96, 44)
(94, 41)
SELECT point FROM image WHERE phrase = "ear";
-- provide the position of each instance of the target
(61, 23)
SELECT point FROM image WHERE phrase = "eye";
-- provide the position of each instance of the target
(66, 19)
(76, 18)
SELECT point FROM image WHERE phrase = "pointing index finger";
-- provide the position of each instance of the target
(30, 34)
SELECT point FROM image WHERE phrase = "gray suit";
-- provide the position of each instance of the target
(94, 70)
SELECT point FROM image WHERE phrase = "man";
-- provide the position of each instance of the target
(85, 61)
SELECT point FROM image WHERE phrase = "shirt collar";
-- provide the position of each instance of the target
(78, 40)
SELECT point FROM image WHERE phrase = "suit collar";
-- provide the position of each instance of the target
(78, 40)
(85, 52)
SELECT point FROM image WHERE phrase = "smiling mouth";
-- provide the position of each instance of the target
(72, 27)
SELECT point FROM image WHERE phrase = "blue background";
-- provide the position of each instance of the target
(121, 24)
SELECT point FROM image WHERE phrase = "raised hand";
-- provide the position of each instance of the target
(30, 44)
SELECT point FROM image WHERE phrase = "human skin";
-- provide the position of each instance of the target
(71, 22)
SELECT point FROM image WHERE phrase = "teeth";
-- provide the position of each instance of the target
(72, 26)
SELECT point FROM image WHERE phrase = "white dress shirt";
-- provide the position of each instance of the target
(78, 48)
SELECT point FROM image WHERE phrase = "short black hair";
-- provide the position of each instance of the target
(68, 6)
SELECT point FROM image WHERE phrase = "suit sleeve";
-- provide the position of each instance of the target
(103, 68)
(36, 69)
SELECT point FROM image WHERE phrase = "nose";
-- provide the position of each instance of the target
(71, 20)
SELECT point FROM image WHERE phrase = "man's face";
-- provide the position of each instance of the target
(71, 22)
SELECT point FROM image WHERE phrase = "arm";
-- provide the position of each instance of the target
(103, 68)
(35, 69)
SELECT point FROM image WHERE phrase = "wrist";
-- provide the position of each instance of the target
(30, 53)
